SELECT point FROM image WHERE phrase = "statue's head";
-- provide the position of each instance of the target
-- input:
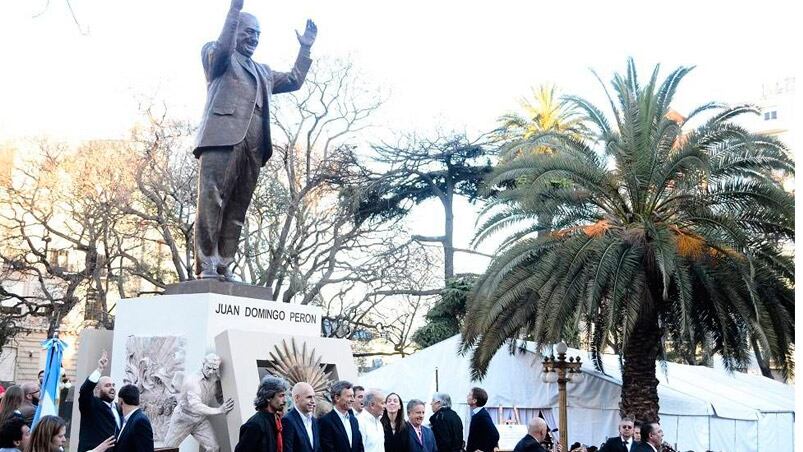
(211, 366)
(247, 34)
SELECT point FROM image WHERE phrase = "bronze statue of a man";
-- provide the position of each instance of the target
(233, 140)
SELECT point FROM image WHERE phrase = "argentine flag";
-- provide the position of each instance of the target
(50, 381)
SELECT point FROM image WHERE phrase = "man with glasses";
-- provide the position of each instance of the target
(28, 407)
(623, 442)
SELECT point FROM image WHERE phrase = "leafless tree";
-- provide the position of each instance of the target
(58, 219)
(166, 176)
(302, 236)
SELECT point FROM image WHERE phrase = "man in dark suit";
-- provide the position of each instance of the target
(100, 416)
(624, 442)
(340, 431)
(536, 432)
(233, 140)
(652, 437)
(299, 426)
(446, 424)
(136, 434)
(263, 431)
(482, 433)
(421, 438)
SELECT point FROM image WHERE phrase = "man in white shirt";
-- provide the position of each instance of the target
(299, 426)
(359, 400)
(373, 434)
(100, 416)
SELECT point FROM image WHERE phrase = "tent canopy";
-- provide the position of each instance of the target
(694, 393)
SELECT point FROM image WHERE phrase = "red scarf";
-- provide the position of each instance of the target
(279, 444)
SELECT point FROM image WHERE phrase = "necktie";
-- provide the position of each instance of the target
(418, 433)
(278, 421)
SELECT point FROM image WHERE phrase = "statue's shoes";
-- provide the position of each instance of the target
(228, 276)
(209, 274)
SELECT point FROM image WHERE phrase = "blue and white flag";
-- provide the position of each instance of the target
(50, 381)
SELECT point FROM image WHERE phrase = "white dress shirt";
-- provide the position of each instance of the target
(344, 418)
(628, 443)
(307, 420)
(373, 434)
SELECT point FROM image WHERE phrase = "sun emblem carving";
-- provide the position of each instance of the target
(294, 365)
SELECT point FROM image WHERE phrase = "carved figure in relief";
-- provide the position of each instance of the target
(199, 392)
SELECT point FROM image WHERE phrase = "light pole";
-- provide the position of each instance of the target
(561, 371)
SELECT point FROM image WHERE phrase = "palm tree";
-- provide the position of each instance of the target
(656, 236)
(546, 112)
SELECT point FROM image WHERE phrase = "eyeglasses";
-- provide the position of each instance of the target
(626, 426)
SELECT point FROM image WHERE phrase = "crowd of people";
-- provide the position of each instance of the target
(360, 421)
(109, 419)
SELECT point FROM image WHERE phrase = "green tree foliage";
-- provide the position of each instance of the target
(545, 112)
(658, 235)
(446, 316)
(423, 168)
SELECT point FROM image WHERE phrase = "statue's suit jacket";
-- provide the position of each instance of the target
(233, 82)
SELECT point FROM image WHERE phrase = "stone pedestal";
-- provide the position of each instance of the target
(157, 338)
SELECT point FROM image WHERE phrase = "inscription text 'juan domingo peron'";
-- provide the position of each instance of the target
(265, 313)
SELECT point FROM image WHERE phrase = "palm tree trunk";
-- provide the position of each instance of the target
(762, 363)
(639, 385)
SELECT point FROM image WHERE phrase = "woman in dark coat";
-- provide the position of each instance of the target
(396, 437)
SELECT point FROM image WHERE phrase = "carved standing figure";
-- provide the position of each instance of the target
(198, 392)
(233, 140)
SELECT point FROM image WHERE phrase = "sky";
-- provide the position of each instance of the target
(444, 64)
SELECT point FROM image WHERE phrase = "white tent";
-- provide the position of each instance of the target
(701, 408)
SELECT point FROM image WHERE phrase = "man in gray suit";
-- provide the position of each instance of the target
(233, 140)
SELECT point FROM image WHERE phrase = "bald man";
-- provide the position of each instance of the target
(31, 392)
(100, 416)
(371, 429)
(299, 426)
(536, 432)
